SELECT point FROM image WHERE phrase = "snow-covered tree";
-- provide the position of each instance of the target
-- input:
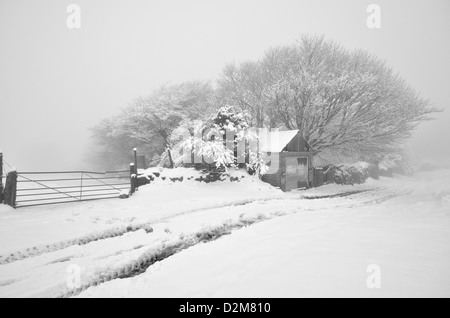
(222, 140)
(112, 149)
(339, 99)
(151, 120)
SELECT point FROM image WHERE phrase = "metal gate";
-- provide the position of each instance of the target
(43, 188)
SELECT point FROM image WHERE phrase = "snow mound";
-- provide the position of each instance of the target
(181, 174)
(355, 173)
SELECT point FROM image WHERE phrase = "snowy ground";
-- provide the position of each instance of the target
(235, 239)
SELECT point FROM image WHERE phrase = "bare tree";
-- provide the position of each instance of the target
(111, 148)
(151, 120)
(244, 87)
(338, 99)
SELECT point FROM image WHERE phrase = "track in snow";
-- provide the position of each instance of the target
(152, 255)
(114, 232)
(337, 195)
(39, 250)
(140, 265)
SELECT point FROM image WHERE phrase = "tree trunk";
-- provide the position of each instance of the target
(169, 154)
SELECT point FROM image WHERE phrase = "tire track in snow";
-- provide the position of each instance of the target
(86, 239)
(337, 195)
(83, 240)
(381, 199)
(153, 255)
(118, 231)
(140, 264)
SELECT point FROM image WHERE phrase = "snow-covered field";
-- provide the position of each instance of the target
(236, 239)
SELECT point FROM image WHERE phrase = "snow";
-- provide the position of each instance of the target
(318, 242)
(160, 199)
(150, 170)
(299, 256)
(360, 165)
(389, 162)
(275, 141)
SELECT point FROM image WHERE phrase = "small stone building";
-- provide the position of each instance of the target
(291, 153)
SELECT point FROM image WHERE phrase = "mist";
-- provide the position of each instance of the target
(57, 82)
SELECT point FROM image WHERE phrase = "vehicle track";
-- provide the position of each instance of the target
(152, 255)
(147, 226)
(83, 240)
(111, 233)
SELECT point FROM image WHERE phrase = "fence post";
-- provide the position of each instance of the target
(133, 178)
(135, 161)
(1, 177)
(81, 186)
(11, 189)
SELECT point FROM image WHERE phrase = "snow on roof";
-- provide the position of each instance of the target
(275, 141)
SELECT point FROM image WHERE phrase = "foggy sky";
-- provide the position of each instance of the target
(56, 82)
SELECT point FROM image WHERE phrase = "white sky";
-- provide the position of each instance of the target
(56, 82)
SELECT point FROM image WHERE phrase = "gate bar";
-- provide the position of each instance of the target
(72, 201)
(56, 193)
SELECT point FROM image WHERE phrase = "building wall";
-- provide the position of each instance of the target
(298, 154)
(273, 179)
(278, 178)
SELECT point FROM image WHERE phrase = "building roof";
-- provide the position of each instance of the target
(275, 141)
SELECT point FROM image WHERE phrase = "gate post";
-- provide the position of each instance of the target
(1, 177)
(135, 161)
(11, 189)
(133, 178)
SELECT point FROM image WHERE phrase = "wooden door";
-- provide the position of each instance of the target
(296, 172)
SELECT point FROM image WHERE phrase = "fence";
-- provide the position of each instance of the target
(24, 189)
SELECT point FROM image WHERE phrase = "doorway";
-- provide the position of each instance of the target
(296, 172)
